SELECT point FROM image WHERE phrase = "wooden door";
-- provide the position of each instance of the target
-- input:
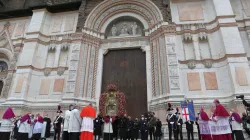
(127, 69)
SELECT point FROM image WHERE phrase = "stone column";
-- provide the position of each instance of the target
(196, 47)
(22, 79)
(233, 46)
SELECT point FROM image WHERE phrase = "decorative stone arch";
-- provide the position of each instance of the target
(146, 10)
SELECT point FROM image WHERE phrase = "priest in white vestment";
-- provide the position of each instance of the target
(74, 123)
(66, 123)
(24, 127)
(6, 124)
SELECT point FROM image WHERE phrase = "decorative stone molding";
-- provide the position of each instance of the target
(65, 47)
(202, 36)
(96, 17)
(208, 64)
(47, 71)
(187, 37)
(52, 48)
(60, 71)
(191, 64)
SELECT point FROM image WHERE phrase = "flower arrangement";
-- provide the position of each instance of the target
(120, 97)
(111, 87)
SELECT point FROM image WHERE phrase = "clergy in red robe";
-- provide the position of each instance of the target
(204, 125)
(221, 117)
(88, 115)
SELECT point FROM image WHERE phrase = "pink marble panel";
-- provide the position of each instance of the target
(241, 77)
(210, 80)
(45, 86)
(19, 84)
(58, 85)
(190, 12)
(20, 29)
(194, 83)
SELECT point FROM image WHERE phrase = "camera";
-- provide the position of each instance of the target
(240, 97)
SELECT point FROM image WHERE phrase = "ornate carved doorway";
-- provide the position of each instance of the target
(127, 69)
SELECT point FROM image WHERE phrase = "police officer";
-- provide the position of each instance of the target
(171, 120)
(123, 127)
(98, 127)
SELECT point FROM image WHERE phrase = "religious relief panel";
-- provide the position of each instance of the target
(124, 27)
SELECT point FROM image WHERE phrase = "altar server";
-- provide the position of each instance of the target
(88, 115)
(75, 122)
(24, 127)
(236, 125)
(108, 130)
(57, 124)
(37, 127)
(66, 123)
(6, 124)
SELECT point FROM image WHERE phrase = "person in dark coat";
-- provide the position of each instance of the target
(179, 124)
(135, 131)
(144, 129)
(115, 126)
(198, 126)
(123, 127)
(158, 132)
(48, 125)
(151, 125)
(98, 127)
(129, 128)
(190, 129)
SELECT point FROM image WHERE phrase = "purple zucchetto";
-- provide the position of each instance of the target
(8, 114)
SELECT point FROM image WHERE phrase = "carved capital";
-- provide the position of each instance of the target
(191, 64)
(60, 71)
(47, 71)
(208, 63)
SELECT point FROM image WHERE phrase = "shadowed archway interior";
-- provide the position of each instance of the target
(127, 69)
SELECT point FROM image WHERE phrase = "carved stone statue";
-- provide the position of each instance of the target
(124, 30)
(134, 28)
(114, 30)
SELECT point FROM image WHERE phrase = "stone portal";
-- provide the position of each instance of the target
(127, 69)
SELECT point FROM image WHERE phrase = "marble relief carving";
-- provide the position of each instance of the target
(3, 41)
(71, 81)
(172, 63)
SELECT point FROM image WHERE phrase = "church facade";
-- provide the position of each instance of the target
(155, 51)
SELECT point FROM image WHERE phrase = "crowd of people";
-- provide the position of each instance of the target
(84, 125)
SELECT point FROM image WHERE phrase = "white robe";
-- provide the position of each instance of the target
(6, 125)
(66, 120)
(24, 127)
(87, 124)
(43, 130)
(108, 127)
(74, 121)
(38, 128)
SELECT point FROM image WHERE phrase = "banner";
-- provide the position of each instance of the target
(188, 112)
(215, 128)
